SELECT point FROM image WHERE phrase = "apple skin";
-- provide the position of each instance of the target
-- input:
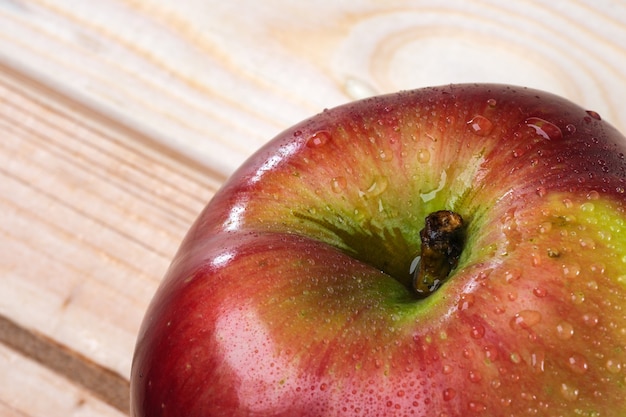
(291, 294)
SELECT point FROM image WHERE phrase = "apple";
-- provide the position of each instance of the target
(448, 251)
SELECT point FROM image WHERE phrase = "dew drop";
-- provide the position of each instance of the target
(541, 191)
(423, 156)
(466, 301)
(525, 319)
(578, 364)
(512, 275)
(564, 330)
(474, 376)
(545, 227)
(338, 184)
(593, 195)
(491, 352)
(569, 392)
(613, 366)
(570, 128)
(540, 292)
(587, 243)
(587, 207)
(594, 114)
(480, 125)
(318, 139)
(591, 319)
(544, 128)
(478, 331)
(476, 407)
(449, 394)
(577, 297)
(492, 102)
(378, 186)
(571, 271)
(537, 361)
(385, 155)
(515, 358)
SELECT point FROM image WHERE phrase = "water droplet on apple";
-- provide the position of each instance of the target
(512, 275)
(385, 155)
(476, 407)
(423, 155)
(593, 195)
(541, 191)
(544, 128)
(477, 331)
(466, 301)
(568, 203)
(474, 376)
(338, 184)
(492, 102)
(613, 366)
(587, 243)
(545, 227)
(571, 271)
(449, 394)
(447, 369)
(378, 186)
(569, 392)
(480, 125)
(578, 363)
(570, 128)
(577, 297)
(515, 358)
(587, 207)
(537, 361)
(564, 330)
(591, 319)
(491, 352)
(318, 139)
(540, 292)
(525, 319)
(594, 115)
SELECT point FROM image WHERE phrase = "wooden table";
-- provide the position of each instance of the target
(120, 119)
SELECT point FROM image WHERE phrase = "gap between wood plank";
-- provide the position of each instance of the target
(105, 384)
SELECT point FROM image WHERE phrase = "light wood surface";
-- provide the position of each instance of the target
(120, 119)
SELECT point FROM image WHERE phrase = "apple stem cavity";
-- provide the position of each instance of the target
(442, 241)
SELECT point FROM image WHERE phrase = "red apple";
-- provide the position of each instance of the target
(294, 293)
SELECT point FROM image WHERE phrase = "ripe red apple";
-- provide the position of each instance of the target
(450, 251)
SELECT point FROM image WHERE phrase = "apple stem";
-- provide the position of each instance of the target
(442, 243)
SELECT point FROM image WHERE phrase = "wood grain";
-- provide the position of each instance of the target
(93, 212)
(215, 80)
(121, 118)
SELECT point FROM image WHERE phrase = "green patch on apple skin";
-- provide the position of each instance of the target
(593, 224)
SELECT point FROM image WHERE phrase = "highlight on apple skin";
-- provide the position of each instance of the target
(316, 284)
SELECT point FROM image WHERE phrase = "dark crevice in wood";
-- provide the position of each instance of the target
(104, 383)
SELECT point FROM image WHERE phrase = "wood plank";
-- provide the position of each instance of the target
(93, 213)
(215, 80)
